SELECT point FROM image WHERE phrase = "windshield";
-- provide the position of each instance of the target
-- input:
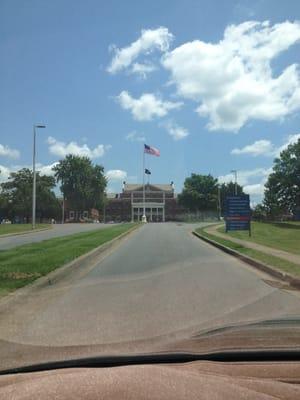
(149, 177)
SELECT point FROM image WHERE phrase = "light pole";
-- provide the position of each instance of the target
(63, 211)
(234, 171)
(34, 175)
(219, 201)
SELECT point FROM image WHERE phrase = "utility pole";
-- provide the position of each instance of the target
(63, 210)
(34, 174)
(234, 171)
(219, 201)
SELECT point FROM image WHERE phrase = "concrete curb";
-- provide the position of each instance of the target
(60, 272)
(25, 232)
(290, 279)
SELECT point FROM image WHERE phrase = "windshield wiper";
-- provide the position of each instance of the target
(162, 358)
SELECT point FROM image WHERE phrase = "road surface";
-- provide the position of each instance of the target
(57, 230)
(159, 281)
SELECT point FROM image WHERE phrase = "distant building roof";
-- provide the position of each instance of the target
(130, 187)
(111, 195)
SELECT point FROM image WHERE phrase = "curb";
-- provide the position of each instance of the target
(60, 272)
(25, 232)
(290, 279)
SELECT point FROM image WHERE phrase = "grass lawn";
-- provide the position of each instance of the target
(279, 235)
(278, 263)
(18, 228)
(23, 264)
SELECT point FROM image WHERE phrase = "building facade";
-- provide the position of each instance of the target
(160, 203)
(71, 214)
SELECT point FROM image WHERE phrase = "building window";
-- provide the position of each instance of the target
(85, 214)
(71, 214)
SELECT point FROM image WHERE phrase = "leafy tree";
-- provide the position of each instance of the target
(82, 183)
(17, 195)
(259, 213)
(228, 189)
(199, 193)
(282, 190)
(3, 204)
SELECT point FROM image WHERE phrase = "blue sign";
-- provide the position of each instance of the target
(238, 213)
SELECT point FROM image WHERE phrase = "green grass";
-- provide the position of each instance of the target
(278, 263)
(6, 229)
(280, 235)
(23, 264)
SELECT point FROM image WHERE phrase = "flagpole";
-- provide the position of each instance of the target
(144, 219)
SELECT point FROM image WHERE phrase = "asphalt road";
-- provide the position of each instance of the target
(160, 281)
(57, 230)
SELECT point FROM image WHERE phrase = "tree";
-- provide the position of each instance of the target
(17, 195)
(228, 189)
(259, 213)
(81, 182)
(282, 190)
(199, 193)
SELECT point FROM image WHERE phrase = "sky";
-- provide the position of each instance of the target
(214, 85)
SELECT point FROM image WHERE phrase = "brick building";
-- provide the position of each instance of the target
(160, 203)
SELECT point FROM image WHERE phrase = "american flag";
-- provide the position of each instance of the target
(151, 150)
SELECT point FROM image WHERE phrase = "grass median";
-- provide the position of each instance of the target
(23, 264)
(7, 229)
(275, 262)
(279, 235)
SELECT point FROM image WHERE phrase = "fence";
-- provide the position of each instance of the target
(198, 216)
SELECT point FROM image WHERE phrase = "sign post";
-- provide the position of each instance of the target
(238, 213)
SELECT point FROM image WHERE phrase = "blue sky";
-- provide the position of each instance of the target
(211, 84)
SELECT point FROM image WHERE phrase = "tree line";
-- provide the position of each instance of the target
(204, 193)
(281, 194)
(83, 184)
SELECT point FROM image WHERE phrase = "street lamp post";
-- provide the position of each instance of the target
(63, 211)
(34, 174)
(219, 202)
(234, 171)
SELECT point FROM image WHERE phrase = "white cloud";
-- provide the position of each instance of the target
(258, 148)
(142, 69)
(147, 107)
(257, 189)
(42, 169)
(6, 151)
(4, 173)
(246, 176)
(177, 132)
(61, 149)
(232, 80)
(290, 140)
(135, 137)
(253, 181)
(149, 40)
(116, 175)
(46, 169)
(265, 147)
